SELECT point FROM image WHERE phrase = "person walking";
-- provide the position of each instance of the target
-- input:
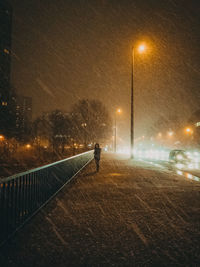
(97, 155)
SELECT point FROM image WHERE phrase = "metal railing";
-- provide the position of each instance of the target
(23, 194)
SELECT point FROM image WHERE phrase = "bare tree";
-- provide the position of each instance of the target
(91, 121)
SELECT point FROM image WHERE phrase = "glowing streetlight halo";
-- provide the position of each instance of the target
(188, 130)
(142, 48)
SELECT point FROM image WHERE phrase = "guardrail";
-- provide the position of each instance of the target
(23, 194)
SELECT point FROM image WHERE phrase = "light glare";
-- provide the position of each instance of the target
(141, 48)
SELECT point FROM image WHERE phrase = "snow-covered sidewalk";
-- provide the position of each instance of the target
(129, 214)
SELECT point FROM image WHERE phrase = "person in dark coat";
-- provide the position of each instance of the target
(97, 155)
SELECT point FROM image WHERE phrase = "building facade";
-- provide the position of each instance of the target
(23, 116)
(5, 51)
(5, 68)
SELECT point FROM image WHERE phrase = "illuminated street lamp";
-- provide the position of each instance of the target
(140, 49)
(188, 130)
(118, 111)
(1, 137)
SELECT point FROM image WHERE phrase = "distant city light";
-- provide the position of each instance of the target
(151, 154)
(179, 157)
(6, 51)
(170, 134)
(179, 166)
(179, 172)
(189, 176)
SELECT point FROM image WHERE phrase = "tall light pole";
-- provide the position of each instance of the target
(115, 140)
(141, 49)
(132, 104)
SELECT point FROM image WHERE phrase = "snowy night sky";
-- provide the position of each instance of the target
(65, 50)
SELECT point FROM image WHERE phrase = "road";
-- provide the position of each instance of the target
(181, 169)
(131, 213)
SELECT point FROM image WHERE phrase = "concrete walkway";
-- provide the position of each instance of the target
(128, 214)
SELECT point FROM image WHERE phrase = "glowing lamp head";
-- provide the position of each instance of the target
(188, 130)
(119, 110)
(141, 48)
(28, 146)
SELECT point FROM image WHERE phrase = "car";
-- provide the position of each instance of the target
(178, 156)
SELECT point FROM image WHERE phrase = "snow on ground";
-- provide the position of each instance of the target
(131, 213)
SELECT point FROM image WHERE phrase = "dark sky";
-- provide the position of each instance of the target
(65, 50)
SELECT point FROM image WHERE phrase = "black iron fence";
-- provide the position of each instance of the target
(23, 194)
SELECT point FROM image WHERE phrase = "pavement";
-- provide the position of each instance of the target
(131, 213)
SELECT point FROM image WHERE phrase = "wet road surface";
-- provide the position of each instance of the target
(131, 213)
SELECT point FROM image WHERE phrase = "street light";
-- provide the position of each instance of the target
(188, 130)
(140, 49)
(170, 134)
(118, 111)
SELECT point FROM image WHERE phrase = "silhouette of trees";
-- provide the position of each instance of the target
(87, 122)
(91, 121)
(54, 128)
